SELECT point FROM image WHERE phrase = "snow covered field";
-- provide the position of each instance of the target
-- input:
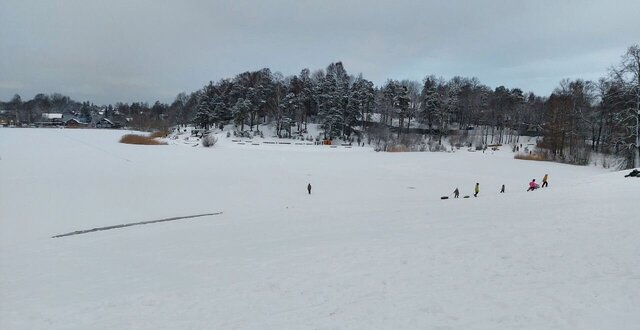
(373, 246)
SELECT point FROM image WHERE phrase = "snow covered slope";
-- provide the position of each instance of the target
(373, 246)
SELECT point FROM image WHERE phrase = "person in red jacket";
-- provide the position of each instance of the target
(532, 185)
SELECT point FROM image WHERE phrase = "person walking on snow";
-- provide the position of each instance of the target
(545, 183)
(532, 185)
(309, 188)
(477, 189)
(502, 189)
(456, 193)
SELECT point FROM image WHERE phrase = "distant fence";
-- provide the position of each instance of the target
(301, 143)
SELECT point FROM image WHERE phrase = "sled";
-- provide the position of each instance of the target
(444, 197)
(466, 196)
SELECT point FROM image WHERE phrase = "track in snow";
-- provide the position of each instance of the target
(79, 232)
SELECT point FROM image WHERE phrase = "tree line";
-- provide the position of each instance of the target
(579, 117)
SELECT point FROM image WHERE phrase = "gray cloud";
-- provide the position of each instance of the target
(121, 50)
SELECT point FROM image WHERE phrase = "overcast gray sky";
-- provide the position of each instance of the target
(147, 50)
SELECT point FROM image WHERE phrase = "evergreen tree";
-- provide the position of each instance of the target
(431, 102)
(361, 102)
(342, 88)
(388, 103)
(308, 97)
(205, 108)
(16, 106)
(289, 107)
(329, 106)
(203, 117)
(401, 103)
(220, 112)
(241, 112)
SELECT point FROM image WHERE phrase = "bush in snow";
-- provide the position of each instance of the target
(397, 148)
(242, 134)
(140, 139)
(459, 139)
(435, 147)
(411, 141)
(209, 141)
(531, 156)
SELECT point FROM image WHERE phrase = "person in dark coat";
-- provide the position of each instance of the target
(456, 193)
(502, 189)
(633, 173)
(309, 188)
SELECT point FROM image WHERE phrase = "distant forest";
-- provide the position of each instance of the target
(578, 118)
